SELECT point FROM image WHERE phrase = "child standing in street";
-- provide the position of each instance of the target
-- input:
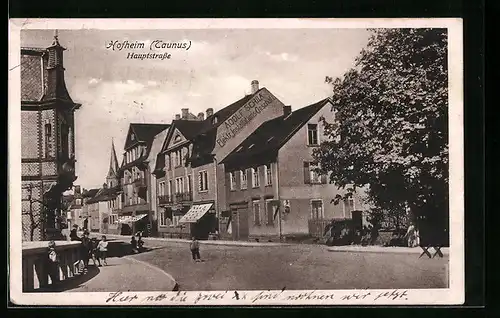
(94, 252)
(102, 248)
(195, 249)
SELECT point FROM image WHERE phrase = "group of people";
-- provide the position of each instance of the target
(137, 242)
(90, 248)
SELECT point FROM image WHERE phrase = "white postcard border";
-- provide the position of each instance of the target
(454, 295)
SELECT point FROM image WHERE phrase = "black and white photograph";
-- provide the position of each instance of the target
(236, 162)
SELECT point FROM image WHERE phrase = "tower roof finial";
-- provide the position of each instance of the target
(56, 37)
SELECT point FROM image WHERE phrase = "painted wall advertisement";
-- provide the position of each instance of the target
(236, 123)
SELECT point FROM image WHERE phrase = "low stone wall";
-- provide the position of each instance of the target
(35, 264)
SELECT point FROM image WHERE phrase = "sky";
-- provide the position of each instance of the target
(216, 70)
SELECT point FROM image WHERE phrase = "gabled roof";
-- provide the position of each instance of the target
(144, 133)
(156, 147)
(188, 128)
(269, 137)
(204, 141)
(104, 194)
(89, 193)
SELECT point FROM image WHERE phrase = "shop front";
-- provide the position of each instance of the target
(130, 224)
(201, 219)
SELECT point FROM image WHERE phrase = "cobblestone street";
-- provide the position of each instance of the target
(294, 267)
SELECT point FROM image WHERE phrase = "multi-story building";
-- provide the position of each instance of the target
(174, 176)
(73, 206)
(273, 187)
(87, 195)
(152, 185)
(102, 205)
(190, 179)
(135, 177)
(47, 141)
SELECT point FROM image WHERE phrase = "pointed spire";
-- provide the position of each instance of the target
(113, 161)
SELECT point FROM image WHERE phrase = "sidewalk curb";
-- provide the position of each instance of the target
(219, 242)
(385, 250)
(174, 282)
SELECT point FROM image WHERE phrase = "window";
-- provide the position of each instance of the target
(190, 184)
(78, 201)
(65, 140)
(312, 134)
(348, 207)
(243, 179)
(132, 137)
(175, 220)
(167, 162)
(165, 218)
(161, 188)
(170, 187)
(255, 178)
(256, 212)
(272, 211)
(177, 139)
(232, 178)
(173, 159)
(178, 158)
(179, 185)
(312, 176)
(48, 138)
(268, 174)
(317, 209)
(203, 181)
(113, 218)
(162, 219)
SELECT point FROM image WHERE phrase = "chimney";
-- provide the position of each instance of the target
(185, 113)
(77, 189)
(255, 86)
(287, 110)
(104, 186)
(210, 112)
(201, 116)
(177, 117)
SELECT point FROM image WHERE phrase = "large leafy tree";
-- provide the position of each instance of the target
(390, 128)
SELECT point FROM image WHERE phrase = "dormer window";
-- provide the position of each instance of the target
(177, 138)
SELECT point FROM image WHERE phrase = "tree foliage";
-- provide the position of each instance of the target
(390, 126)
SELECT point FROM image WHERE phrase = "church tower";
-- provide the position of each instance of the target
(112, 176)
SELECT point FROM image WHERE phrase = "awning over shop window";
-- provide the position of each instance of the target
(195, 213)
(130, 218)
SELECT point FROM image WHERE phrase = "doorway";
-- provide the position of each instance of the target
(239, 223)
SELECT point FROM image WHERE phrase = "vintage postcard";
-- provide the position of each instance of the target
(236, 162)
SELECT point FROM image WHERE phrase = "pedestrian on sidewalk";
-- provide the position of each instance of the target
(73, 235)
(195, 249)
(133, 242)
(102, 248)
(85, 249)
(53, 262)
(94, 253)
